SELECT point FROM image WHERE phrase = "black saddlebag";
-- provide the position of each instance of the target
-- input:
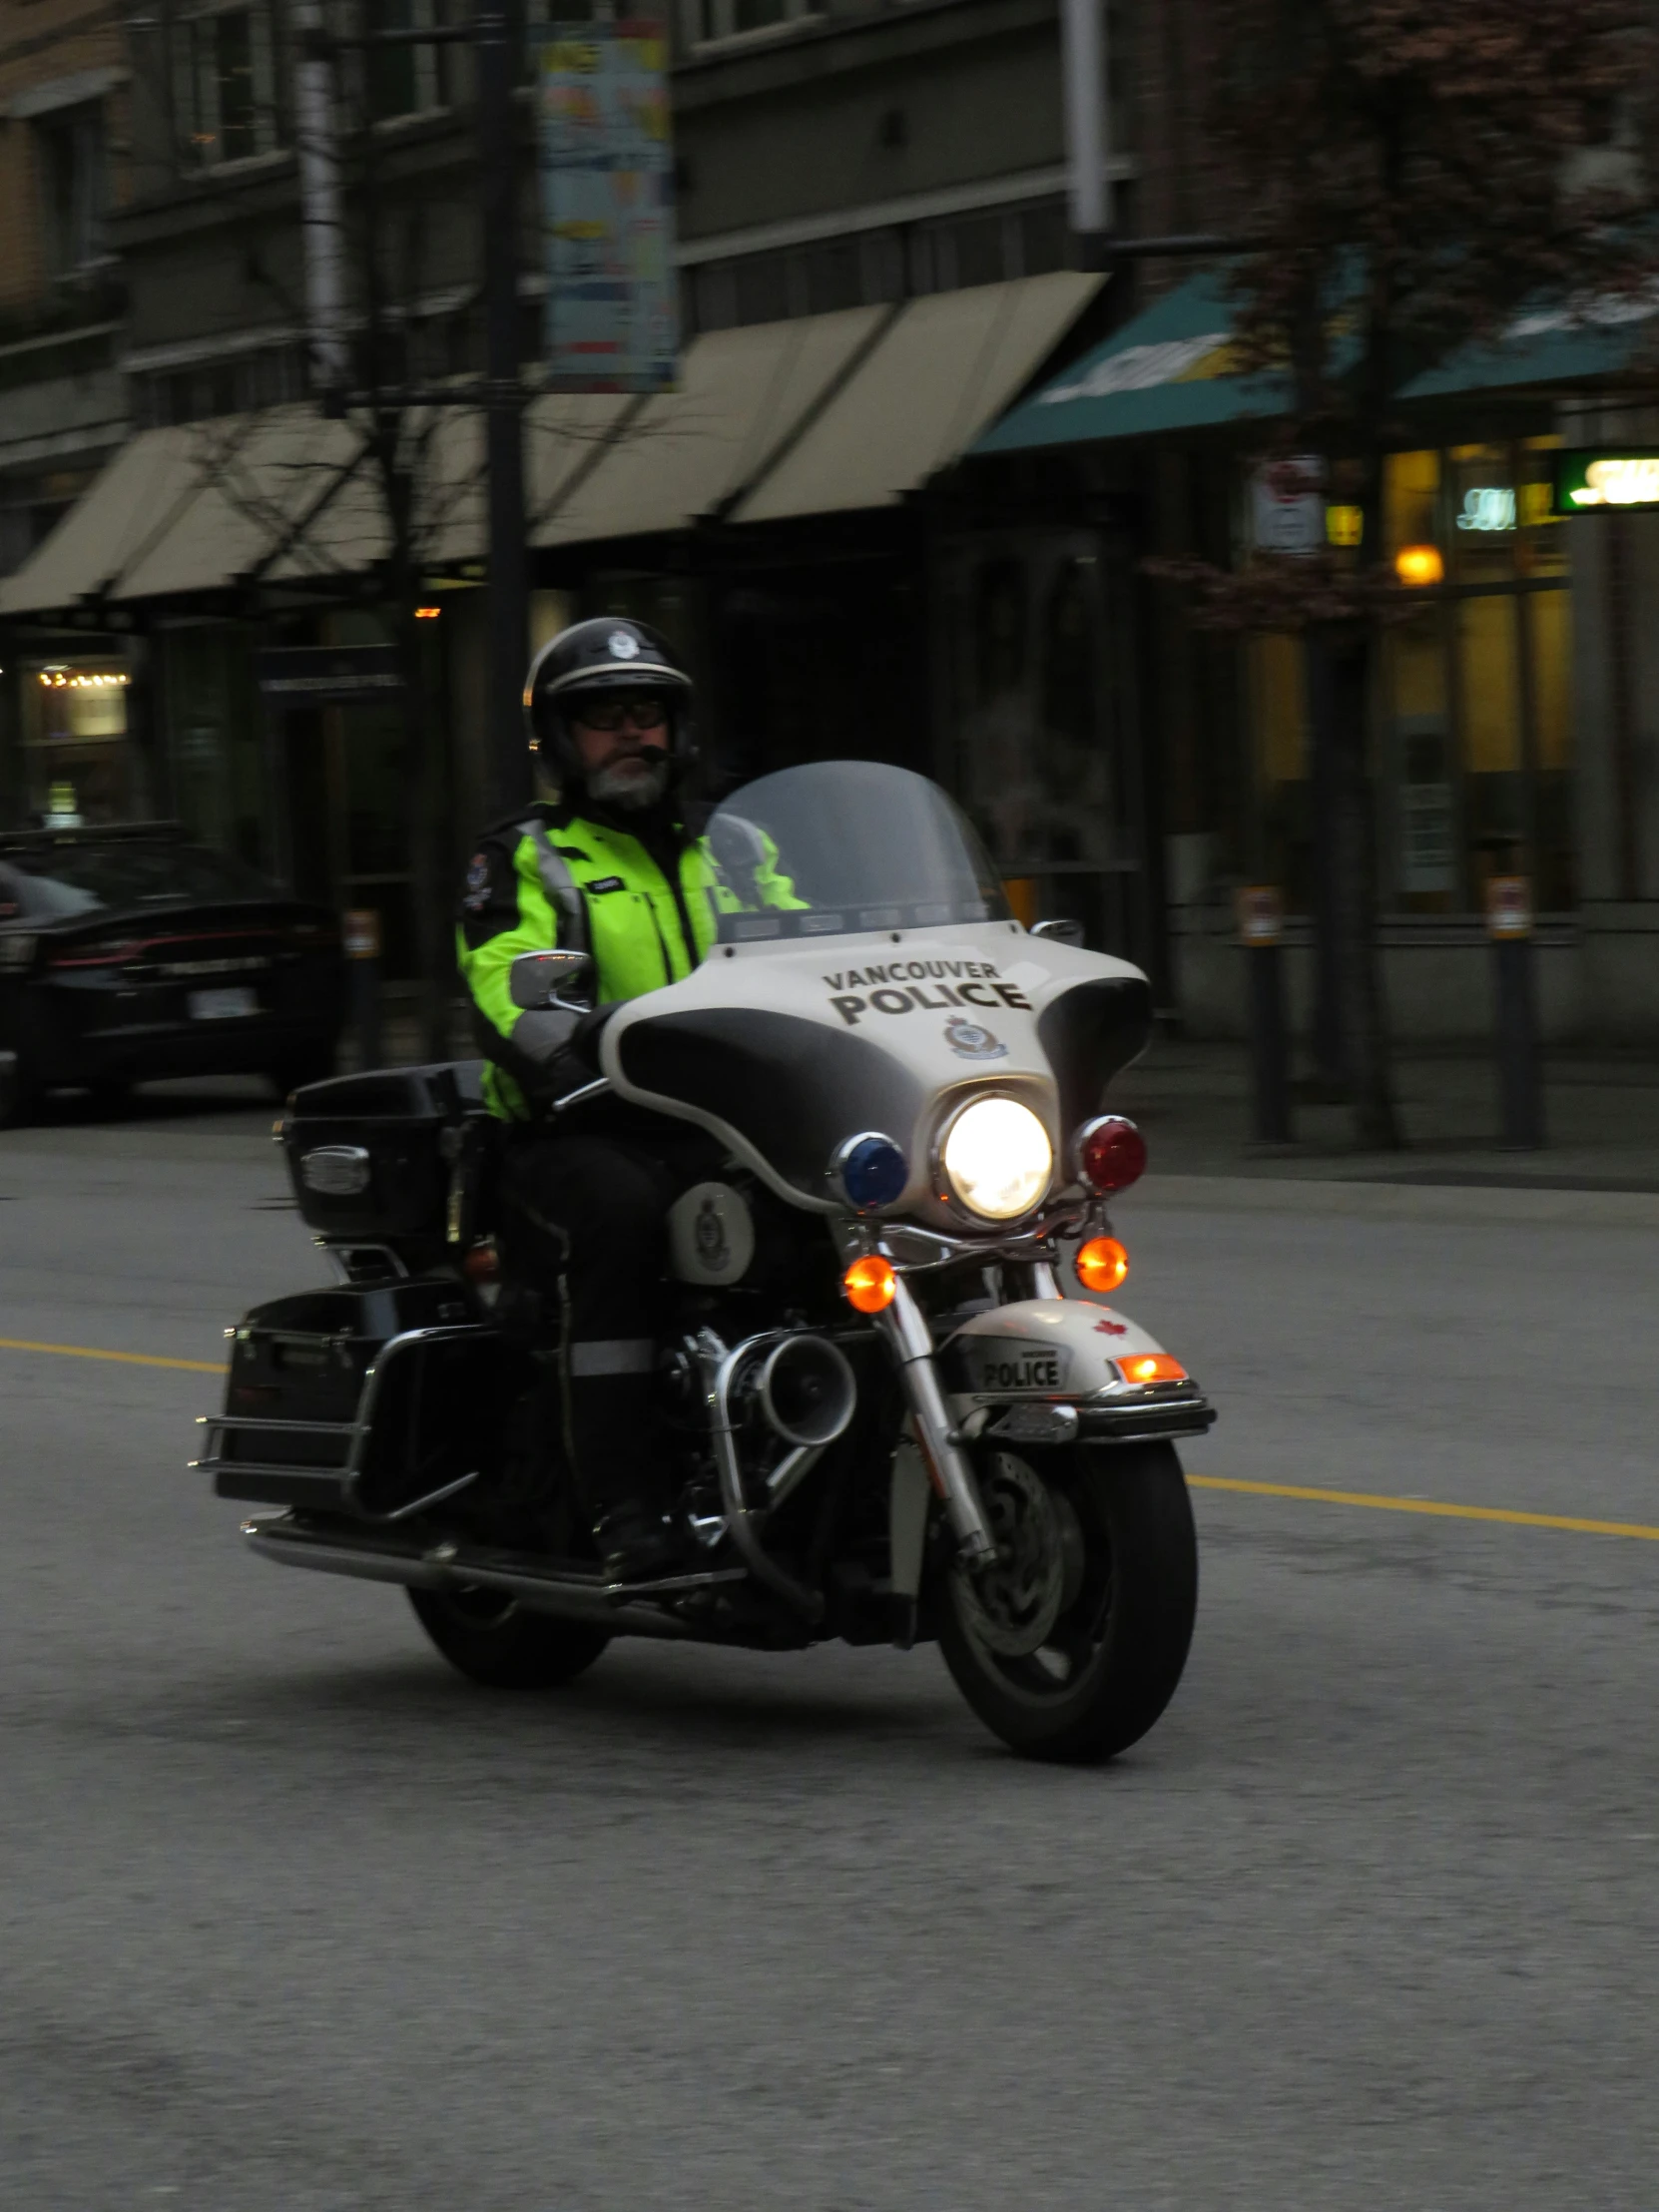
(371, 1157)
(371, 1402)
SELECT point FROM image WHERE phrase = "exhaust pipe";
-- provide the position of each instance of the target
(567, 1595)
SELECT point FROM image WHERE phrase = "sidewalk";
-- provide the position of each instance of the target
(1193, 1103)
(1601, 1117)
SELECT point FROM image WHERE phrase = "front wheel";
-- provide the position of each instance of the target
(1071, 1641)
(489, 1637)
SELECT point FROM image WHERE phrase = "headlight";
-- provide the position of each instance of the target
(997, 1159)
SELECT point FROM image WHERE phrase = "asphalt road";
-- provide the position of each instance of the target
(293, 1920)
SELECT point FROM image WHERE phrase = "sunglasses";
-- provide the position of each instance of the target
(637, 713)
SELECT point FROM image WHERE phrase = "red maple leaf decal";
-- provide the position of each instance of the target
(1111, 1329)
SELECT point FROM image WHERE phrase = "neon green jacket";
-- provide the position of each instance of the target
(548, 879)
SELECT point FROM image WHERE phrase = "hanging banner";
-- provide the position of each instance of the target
(607, 195)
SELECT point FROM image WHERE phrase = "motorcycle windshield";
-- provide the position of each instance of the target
(839, 846)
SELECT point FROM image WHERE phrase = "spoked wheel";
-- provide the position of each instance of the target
(493, 1639)
(1070, 1643)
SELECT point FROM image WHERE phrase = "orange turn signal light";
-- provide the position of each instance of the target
(1101, 1264)
(1152, 1367)
(869, 1285)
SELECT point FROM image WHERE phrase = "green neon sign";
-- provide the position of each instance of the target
(1617, 480)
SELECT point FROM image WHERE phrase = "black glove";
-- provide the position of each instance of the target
(590, 1027)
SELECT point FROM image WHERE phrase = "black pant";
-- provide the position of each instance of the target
(580, 1219)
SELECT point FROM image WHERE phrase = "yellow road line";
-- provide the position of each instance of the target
(1378, 1502)
(129, 1359)
(1381, 1504)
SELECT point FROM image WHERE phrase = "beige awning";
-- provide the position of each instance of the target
(946, 365)
(813, 416)
(639, 467)
(194, 507)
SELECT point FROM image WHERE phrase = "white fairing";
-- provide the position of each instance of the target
(1056, 1349)
(956, 1008)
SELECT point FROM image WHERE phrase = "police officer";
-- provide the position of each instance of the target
(609, 868)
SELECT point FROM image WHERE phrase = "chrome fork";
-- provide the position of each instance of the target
(905, 1328)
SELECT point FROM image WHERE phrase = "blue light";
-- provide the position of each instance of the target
(872, 1171)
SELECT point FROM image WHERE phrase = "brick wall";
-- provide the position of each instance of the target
(42, 40)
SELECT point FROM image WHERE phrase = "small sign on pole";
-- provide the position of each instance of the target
(360, 934)
(1260, 914)
(1287, 501)
(1509, 906)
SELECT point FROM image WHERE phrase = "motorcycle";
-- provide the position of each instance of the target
(896, 1403)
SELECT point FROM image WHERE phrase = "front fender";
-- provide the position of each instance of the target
(1066, 1352)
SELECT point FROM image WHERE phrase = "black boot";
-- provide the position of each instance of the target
(637, 1543)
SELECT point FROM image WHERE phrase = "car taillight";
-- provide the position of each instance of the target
(112, 952)
(1111, 1154)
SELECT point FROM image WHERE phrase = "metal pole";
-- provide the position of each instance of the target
(321, 221)
(508, 757)
(1083, 81)
(1520, 1063)
(1261, 932)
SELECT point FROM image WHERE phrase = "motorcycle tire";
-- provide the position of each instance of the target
(492, 1639)
(1070, 1645)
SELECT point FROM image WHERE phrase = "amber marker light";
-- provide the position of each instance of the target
(1101, 1264)
(1152, 1367)
(428, 614)
(1419, 565)
(869, 1285)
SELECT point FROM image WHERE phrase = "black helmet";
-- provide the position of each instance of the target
(608, 653)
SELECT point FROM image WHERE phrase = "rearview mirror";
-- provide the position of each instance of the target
(540, 979)
(1059, 932)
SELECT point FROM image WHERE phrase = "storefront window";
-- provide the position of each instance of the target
(1410, 500)
(1421, 769)
(1475, 695)
(79, 765)
(219, 763)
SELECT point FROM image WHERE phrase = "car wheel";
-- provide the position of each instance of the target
(18, 1095)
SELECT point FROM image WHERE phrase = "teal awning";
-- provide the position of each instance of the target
(1578, 343)
(1168, 370)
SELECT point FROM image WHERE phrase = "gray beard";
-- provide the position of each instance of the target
(625, 788)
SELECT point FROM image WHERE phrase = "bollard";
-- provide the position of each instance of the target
(360, 937)
(1519, 1065)
(1260, 931)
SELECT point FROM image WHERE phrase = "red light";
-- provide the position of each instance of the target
(1111, 1154)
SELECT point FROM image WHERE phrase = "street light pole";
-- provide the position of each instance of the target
(508, 757)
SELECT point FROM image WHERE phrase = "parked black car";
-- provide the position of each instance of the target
(130, 953)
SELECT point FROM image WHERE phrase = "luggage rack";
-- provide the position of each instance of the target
(334, 1484)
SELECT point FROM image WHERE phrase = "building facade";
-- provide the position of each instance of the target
(64, 120)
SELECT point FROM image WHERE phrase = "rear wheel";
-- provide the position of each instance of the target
(492, 1639)
(1071, 1642)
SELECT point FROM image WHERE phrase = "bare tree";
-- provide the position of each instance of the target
(1414, 172)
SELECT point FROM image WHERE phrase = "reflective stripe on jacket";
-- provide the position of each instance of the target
(544, 882)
